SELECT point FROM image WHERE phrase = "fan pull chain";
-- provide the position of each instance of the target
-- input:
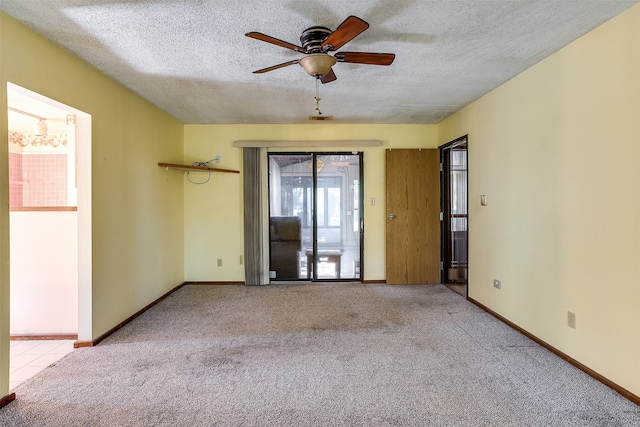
(317, 97)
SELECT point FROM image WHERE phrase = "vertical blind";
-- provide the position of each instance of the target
(252, 171)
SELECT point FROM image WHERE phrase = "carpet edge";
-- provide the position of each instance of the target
(81, 344)
(595, 375)
(213, 283)
(7, 399)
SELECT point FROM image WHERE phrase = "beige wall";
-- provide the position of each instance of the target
(137, 213)
(214, 211)
(557, 151)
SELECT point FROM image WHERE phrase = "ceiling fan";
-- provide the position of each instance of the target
(317, 41)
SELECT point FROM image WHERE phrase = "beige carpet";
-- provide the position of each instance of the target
(315, 355)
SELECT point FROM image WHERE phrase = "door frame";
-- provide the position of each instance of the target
(445, 196)
(83, 144)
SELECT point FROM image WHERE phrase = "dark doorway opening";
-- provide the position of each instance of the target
(454, 181)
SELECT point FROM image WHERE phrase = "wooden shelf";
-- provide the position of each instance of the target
(189, 168)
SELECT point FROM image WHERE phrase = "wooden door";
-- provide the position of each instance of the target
(413, 216)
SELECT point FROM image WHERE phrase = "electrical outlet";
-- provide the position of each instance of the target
(219, 262)
(217, 159)
(571, 319)
(497, 284)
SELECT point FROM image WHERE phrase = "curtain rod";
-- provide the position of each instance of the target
(15, 110)
(309, 143)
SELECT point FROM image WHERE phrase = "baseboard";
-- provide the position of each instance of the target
(7, 399)
(374, 282)
(80, 344)
(213, 283)
(621, 390)
(43, 337)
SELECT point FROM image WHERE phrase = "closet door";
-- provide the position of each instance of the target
(413, 216)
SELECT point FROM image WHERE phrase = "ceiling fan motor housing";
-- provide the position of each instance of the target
(312, 38)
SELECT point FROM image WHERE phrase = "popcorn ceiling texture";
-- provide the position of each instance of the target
(191, 57)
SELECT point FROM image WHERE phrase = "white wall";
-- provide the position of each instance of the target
(44, 273)
(557, 151)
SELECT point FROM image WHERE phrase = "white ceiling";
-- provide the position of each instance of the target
(192, 59)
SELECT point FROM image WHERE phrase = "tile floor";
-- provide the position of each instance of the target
(30, 357)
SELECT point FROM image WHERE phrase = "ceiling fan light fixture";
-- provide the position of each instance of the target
(317, 64)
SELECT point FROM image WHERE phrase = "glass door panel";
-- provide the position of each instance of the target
(458, 214)
(290, 215)
(338, 250)
(454, 176)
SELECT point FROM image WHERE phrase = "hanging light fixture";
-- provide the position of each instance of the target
(40, 128)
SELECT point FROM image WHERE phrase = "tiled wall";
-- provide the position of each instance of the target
(15, 179)
(37, 180)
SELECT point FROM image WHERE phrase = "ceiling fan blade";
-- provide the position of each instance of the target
(349, 29)
(275, 67)
(365, 58)
(329, 77)
(273, 40)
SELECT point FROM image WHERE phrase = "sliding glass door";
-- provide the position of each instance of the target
(315, 216)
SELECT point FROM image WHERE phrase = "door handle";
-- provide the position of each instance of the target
(391, 216)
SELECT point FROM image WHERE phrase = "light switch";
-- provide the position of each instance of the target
(483, 200)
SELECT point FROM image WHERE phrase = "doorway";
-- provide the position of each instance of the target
(315, 216)
(50, 225)
(43, 219)
(454, 173)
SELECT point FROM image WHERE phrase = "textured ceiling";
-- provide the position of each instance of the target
(192, 59)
